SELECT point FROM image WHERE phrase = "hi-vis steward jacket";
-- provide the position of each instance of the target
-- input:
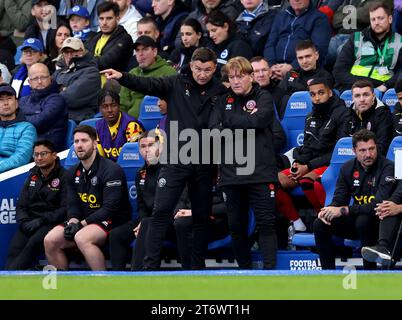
(365, 57)
(371, 57)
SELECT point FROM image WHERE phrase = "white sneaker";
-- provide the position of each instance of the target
(378, 254)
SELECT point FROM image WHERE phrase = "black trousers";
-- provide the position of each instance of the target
(120, 239)
(363, 227)
(388, 230)
(121, 249)
(216, 229)
(238, 200)
(172, 180)
(24, 250)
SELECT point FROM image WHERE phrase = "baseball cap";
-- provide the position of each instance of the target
(34, 44)
(145, 41)
(6, 88)
(73, 43)
(51, 2)
(78, 11)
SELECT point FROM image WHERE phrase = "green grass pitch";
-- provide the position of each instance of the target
(198, 287)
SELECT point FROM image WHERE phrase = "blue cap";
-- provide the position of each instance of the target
(6, 88)
(34, 44)
(78, 11)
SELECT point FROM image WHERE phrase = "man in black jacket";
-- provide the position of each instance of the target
(249, 182)
(190, 98)
(367, 180)
(112, 46)
(146, 183)
(42, 205)
(297, 79)
(389, 213)
(323, 127)
(98, 201)
(369, 112)
(262, 75)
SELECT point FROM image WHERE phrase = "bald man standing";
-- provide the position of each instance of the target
(45, 108)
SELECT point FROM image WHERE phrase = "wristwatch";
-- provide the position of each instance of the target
(344, 211)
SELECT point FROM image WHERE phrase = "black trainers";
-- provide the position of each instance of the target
(378, 254)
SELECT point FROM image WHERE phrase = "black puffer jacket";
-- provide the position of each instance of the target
(323, 128)
(117, 51)
(377, 119)
(42, 197)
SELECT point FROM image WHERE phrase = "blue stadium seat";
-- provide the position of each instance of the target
(342, 153)
(390, 98)
(90, 122)
(352, 243)
(17, 56)
(69, 135)
(132, 195)
(227, 241)
(347, 96)
(98, 115)
(378, 93)
(336, 91)
(149, 112)
(299, 105)
(303, 239)
(131, 161)
(396, 144)
(306, 239)
(71, 158)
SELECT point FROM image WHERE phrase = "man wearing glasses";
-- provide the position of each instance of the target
(41, 206)
(45, 108)
(17, 136)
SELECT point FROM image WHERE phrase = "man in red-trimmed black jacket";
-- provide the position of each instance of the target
(97, 202)
(42, 205)
(366, 180)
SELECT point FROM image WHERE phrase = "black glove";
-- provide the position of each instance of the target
(31, 226)
(71, 229)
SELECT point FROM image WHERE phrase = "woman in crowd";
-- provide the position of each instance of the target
(226, 42)
(191, 39)
(63, 32)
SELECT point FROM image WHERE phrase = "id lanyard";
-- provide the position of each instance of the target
(382, 54)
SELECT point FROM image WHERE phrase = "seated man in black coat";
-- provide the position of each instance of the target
(41, 206)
